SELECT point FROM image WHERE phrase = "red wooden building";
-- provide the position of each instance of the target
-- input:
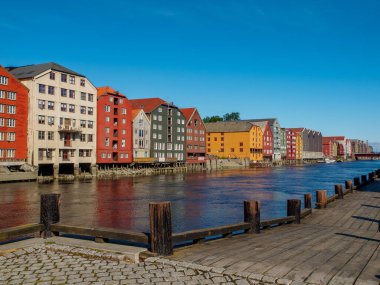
(334, 146)
(13, 118)
(267, 139)
(114, 128)
(195, 136)
(291, 145)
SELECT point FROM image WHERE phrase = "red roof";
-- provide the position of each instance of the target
(135, 112)
(188, 112)
(107, 90)
(148, 104)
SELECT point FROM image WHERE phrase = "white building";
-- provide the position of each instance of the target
(141, 134)
(61, 119)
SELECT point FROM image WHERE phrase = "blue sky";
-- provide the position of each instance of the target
(309, 63)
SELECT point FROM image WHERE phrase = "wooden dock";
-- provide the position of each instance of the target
(337, 245)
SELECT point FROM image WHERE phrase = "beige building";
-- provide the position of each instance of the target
(141, 135)
(62, 119)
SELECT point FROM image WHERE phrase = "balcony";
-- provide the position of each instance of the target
(69, 129)
(67, 143)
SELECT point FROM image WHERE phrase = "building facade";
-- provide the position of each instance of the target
(61, 119)
(141, 136)
(291, 144)
(168, 129)
(195, 136)
(334, 146)
(237, 139)
(299, 146)
(267, 139)
(311, 143)
(114, 125)
(13, 119)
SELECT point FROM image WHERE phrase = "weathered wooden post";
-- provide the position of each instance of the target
(321, 199)
(49, 213)
(356, 183)
(252, 215)
(371, 177)
(294, 209)
(348, 185)
(307, 201)
(364, 180)
(339, 191)
(160, 221)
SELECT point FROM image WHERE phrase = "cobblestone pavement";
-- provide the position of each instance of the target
(57, 264)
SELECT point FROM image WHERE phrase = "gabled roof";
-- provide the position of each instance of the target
(135, 112)
(108, 90)
(269, 120)
(188, 112)
(261, 124)
(148, 104)
(29, 71)
(228, 127)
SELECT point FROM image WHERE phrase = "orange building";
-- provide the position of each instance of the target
(236, 139)
(299, 146)
(13, 118)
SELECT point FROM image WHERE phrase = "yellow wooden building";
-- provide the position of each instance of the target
(236, 139)
(299, 146)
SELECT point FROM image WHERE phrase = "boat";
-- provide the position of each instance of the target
(328, 160)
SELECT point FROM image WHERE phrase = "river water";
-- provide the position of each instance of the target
(199, 200)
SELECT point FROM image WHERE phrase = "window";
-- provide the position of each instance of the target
(72, 94)
(154, 117)
(90, 124)
(90, 97)
(107, 119)
(2, 108)
(123, 111)
(41, 104)
(3, 80)
(123, 121)
(11, 123)
(51, 90)
(160, 110)
(123, 131)
(82, 82)
(83, 123)
(2, 122)
(50, 136)
(123, 143)
(63, 107)
(41, 120)
(160, 118)
(11, 95)
(107, 108)
(82, 137)
(11, 137)
(83, 109)
(2, 136)
(107, 142)
(50, 120)
(41, 88)
(11, 109)
(90, 110)
(63, 92)
(2, 94)
(52, 75)
(63, 77)
(90, 138)
(72, 79)
(107, 130)
(72, 108)
(121, 100)
(41, 135)
(83, 96)
(50, 105)
(11, 153)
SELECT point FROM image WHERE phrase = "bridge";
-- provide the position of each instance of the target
(367, 156)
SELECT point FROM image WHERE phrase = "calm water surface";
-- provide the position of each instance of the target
(198, 200)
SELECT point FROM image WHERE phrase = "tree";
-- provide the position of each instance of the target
(233, 116)
(212, 119)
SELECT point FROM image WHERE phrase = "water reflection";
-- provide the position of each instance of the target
(198, 200)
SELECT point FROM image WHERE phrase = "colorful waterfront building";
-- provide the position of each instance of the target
(299, 146)
(312, 148)
(13, 119)
(114, 125)
(334, 146)
(291, 144)
(61, 119)
(195, 136)
(235, 139)
(283, 148)
(168, 129)
(267, 139)
(141, 136)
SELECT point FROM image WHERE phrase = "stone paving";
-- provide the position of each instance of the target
(58, 264)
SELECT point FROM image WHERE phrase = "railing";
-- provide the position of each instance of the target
(63, 128)
(161, 240)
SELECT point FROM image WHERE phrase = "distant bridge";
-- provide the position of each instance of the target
(367, 156)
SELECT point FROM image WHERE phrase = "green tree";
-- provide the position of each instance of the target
(233, 116)
(212, 119)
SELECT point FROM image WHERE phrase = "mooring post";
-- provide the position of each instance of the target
(252, 215)
(356, 183)
(49, 213)
(371, 177)
(364, 180)
(307, 201)
(339, 191)
(348, 185)
(321, 199)
(294, 209)
(160, 221)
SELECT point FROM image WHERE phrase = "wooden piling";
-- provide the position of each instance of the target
(49, 213)
(339, 191)
(307, 201)
(364, 180)
(160, 228)
(252, 215)
(294, 209)
(321, 199)
(356, 183)
(348, 185)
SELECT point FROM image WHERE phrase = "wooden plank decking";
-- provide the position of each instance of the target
(337, 245)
